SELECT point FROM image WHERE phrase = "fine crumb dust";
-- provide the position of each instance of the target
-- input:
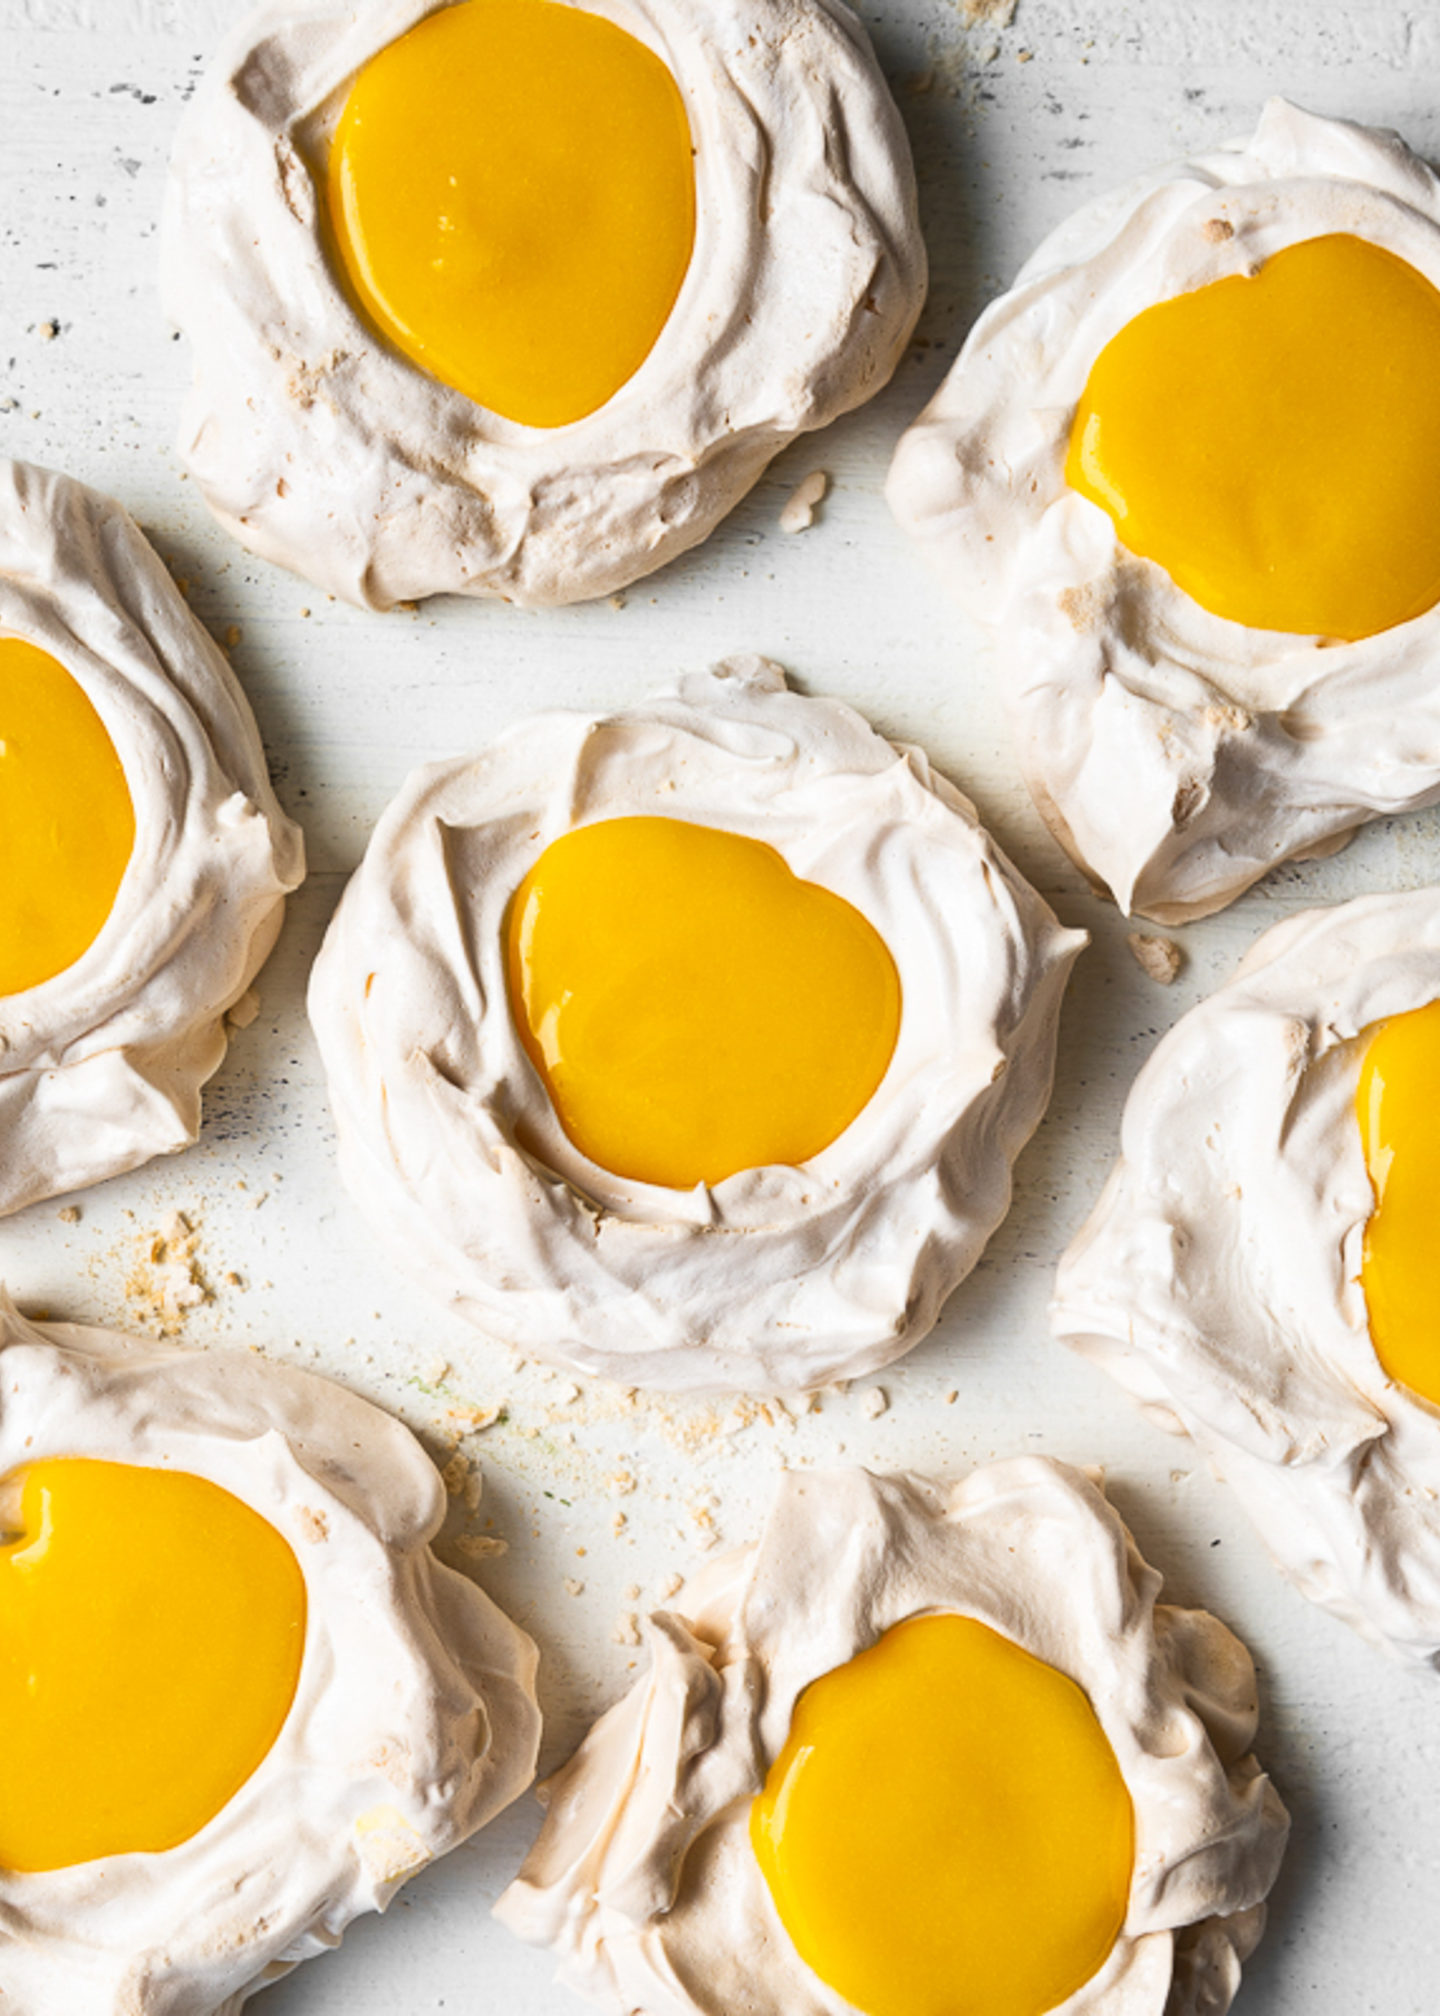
(993, 13)
(164, 1283)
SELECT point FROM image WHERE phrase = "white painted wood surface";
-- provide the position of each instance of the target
(1011, 128)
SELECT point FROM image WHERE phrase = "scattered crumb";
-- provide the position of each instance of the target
(1024, 55)
(474, 1490)
(619, 1523)
(627, 1631)
(240, 1014)
(233, 1280)
(456, 1474)
(995, 13)
(165, 1282)
(1217, 230)
(48, 331)
(621, 1483)
(572, 1587)
(798, 513)
(632, 1594)
(874, 1403)
(233, 634)
(617, 601)
(951, 1397)
(70, 1215)
(481, 1546)
(470, 1419)
(1160, 959)
(671, 1586)
(314, 1526)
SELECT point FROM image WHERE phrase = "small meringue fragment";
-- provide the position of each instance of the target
(105, 1043)
(412, 1723)
(780, 1277)
(647, 1877)
(1178, 753)
(319, 445)
(1220, 1277)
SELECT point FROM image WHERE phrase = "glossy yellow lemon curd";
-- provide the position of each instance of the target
(1274, 442)
(511, 189)
(692, 1006)
(151, 1633)
(67, 825)
(1397, 1100)
(946, 1832)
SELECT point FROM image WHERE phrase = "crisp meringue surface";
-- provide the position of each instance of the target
(643, 1879)
(101, 1065)
(1175, 754)
(414, 1721)
(1218, 1277)
(320, 448)
(778, 1278)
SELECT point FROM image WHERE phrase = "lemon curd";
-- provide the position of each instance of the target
(1273, 442)
(1397, 1101)
(694, 1008)
(947, 1832)
(67, 823)
(152, 1629)
(511, 189)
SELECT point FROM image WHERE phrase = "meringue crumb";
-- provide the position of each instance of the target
(240, 1014)
(627, 1631)
(671, 1586)
(1217, 230)
(632, 1594)
(233, 634)
(456, 1474)
(165, 1284)
(798, 513)
(994, 13)
(70, 1215)
(951, 1397)
(572, 1587)
(48, 331)
(621, 1484)
(474, 1490)
(314, 1526)
(481, 1546)
(619, 1523)
(470, 1419)
(617, 601)
(1159, 959)
(874, 1403)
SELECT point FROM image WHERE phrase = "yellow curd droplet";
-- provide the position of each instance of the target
(511, 188)
(1274, 442)
(67, 824)
(946, 1832)
(692, 1006)
(1397, 1102)
(152, 1629)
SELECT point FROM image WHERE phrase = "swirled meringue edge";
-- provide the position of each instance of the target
(414, 1724)
(643, 1880)
(1218, 1277)
(318, 447)
(778, 1279)
(101, 1066)
(1175, 755)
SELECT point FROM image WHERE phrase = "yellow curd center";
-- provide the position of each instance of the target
(151, 1632)
(512, 191)
(67, 826)
(692, 1006)
(1397, 1101)
(946, 1832)
(1274, 442)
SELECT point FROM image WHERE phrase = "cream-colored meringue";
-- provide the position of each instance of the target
(1218, 1276)
(643, 1879)
(414, 1723)
(101, 1066)
(779, 1278)
(1176, 755)
(319, 447)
